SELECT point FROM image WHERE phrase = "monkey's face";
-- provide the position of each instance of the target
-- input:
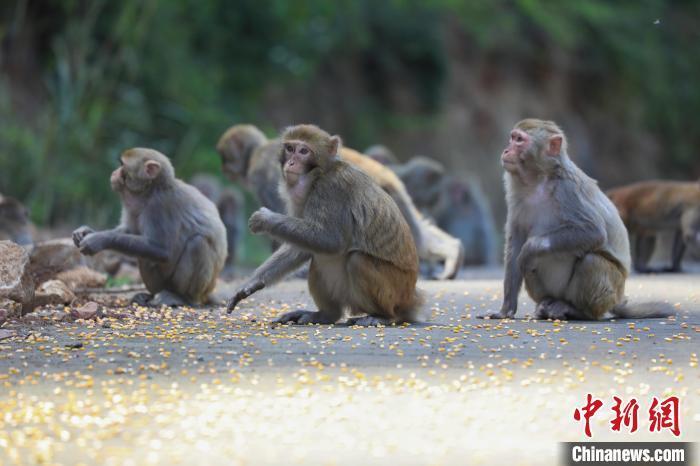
(297, 160)
(514, 154)
(134, 175)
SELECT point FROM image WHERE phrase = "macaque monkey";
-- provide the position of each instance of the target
(381, 154)
(649, 208)
(14, 221)
(170, 227)
(564, 237)
(455, 203)
(248, 155)
(464, 212)
(230, 205)
(363, 258)
(423, 178)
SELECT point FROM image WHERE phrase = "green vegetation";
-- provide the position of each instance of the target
(81, 81)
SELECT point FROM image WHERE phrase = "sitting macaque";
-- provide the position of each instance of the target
(363, 258)
(14, 221)
(564, 237)
(229, 203)
(247, 155)
(423, 178)
(455, 203)
(170, 227)
(464, 212)
(650, 208)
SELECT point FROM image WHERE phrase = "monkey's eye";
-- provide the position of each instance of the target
(518, 138)
(289, 148)
(304, 151)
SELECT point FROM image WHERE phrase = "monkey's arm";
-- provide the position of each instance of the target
(133, 245)
(577, 239)
(513, 275)
(305, 234)
(285, 260)
(83, 231)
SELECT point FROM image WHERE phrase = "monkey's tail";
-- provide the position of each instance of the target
(414, 311)
(648, 310)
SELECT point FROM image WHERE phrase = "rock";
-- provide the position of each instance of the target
(16, 283)
(82, 277)
(6, 334)
(49, 258)
(53, 292)
(4, 314)
(88, 311)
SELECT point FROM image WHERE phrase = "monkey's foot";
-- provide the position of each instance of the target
(166, 298)
(163, 298)
(368, 321)
(305, 317)
(496, 315)
(142, 299)
(555, 310)
(453, 263)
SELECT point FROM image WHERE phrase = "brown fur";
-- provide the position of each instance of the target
(363, 258)
(652, 207)
(564, 238)
(170, 227)
(258, 165)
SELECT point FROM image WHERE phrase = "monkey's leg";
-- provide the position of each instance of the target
(436, 244)
(194, 276)
(381, 290)
(677, 252)
(546, 280)
(643, 249)
(596, 287)
(330, 309)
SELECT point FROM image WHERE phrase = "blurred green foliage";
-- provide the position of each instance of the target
(107, 75)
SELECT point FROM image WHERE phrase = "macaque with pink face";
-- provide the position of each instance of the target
(363, 260)
(564, 238)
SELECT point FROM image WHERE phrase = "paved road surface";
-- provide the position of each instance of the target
(183, 386)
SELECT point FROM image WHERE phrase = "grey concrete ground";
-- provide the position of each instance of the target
(201, 387)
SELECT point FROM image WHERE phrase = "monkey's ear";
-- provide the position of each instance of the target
(152, 168)
(554, 145)
(335, 145)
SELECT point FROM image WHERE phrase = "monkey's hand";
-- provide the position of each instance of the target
(260, 220)
(245, 291)
(91, 244)
(81, 233)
